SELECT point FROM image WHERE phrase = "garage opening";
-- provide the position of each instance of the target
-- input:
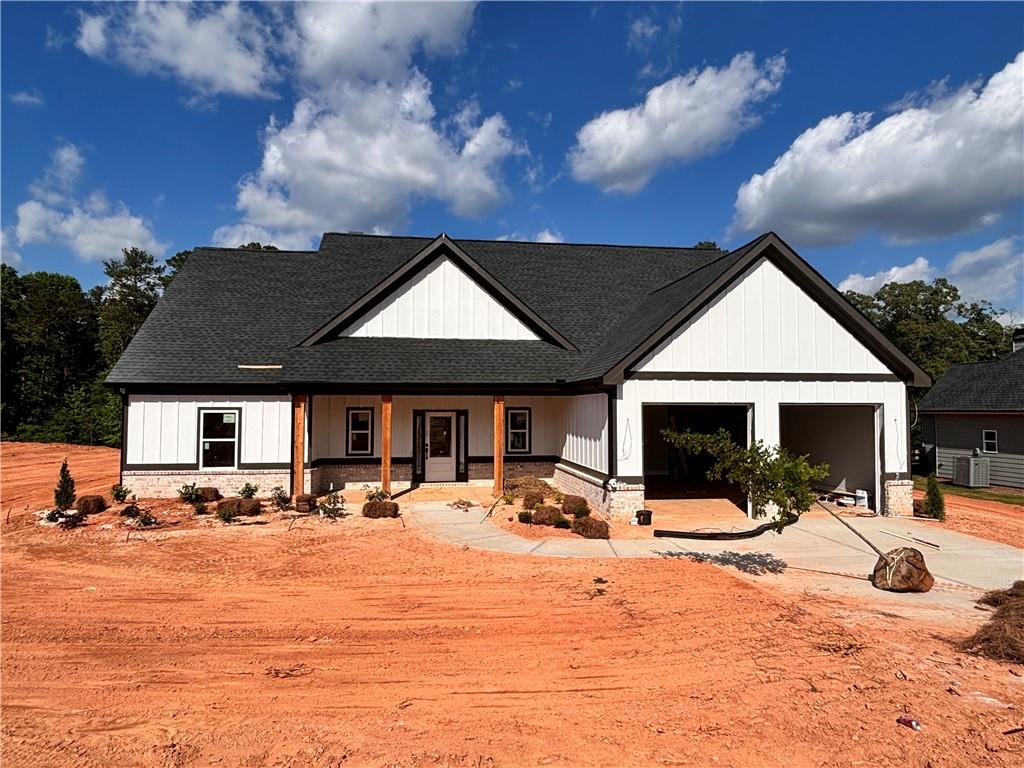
(671, 472)
(842, 436)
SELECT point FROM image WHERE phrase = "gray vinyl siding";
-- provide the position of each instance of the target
(959, 435)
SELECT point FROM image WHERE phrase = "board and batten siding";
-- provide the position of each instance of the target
(959, 434)
(764, 323)
(164, 429)
(441, 302)
(586, 434)
(548, 419)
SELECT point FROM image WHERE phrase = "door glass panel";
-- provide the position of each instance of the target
(440, 436)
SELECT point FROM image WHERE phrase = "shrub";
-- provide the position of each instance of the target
(248, 491)
(333, 506)
(130, 511)
(249, 507)
(525, 517)
(64, 493)
(532, 500)
(590, 528)
(934, 503)
(227, 513)
(208, 493)
(575, 506)
(71, 520)
(558, 497)
(380, 509)
(53, 516)
(120, 493)
(376, 494)
(189, 493)
(201, 508)
(90, 505)
(280, 498)
(508, 498)
(545, 515)
(145, 519)
(561, 521)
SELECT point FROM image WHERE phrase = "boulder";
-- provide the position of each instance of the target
(380, 509)
(90, 505)
(590, 528)
(532, 499)
(208, 494)
(305, 503)
(231, 504)
(249, 507)
(902, 570)
(546, 515)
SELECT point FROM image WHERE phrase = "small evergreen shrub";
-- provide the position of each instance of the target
(280, 498)
(590, 528)
(545, 515)
(575, 506)
(525, 516)
(532, 499)
(189, 493)
(561, 521)
(333, 506)
(558, 497)
(53, 516)
(64, 493)
(71, 520)
(380, 508)
(201, 508)
(90, 505)
(376, 494)
(120, 493)
(227, 514)
(507, 499)
(934, 502)
(145, 519)
(248, 491)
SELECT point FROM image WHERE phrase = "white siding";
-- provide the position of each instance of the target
(764, 324)
(548, 415)
(586, 436)
(441, 302)
(164, 429)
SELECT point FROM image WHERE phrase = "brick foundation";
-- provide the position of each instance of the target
(618, 500)
(899, 497)
(358, 475)
(161, 484)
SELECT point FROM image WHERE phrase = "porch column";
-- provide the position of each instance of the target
(499, 445)
(385, 442)
(298, 444)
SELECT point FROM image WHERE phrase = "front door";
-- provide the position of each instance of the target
(440, 448)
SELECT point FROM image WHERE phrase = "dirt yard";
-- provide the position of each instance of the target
(30, 471)
(364, 642)
(991, 520)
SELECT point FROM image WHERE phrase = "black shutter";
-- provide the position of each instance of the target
(418, 446)
(462, 446)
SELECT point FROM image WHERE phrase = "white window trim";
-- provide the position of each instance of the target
(349, 432)
(995, 440)
(528, 431)
(237, 413)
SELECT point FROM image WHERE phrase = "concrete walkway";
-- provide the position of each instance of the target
(817, 553)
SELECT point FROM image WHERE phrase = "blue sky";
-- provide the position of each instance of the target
(881, 140)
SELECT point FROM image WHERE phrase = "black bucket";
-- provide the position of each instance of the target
(643, 517)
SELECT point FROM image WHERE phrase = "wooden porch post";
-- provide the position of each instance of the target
(298, 444)
(499, 445)
(385, 442)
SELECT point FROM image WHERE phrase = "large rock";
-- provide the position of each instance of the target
(902, 570)
(305, 503)
(208, 493)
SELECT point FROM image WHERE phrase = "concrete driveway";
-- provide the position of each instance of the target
(817, 555)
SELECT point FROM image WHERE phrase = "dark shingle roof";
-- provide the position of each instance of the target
(994, 385)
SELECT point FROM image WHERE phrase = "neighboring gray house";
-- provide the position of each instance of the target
(403, 360)
(978, 407)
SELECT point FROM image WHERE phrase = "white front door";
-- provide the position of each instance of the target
(440, 449)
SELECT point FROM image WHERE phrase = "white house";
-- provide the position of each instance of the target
(401, 360)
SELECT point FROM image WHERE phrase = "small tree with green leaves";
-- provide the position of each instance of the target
(64, 493)
(934, 502)
(769, 476)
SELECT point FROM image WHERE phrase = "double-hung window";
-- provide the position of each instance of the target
(218, 439)
(359, 440)
(989, 441)
(517, 428)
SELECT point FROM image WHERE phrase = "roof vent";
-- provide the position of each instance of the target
(355, 232)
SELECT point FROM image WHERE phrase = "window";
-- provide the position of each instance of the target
(989, 441)
(360, 432)
(218, 439)
(517, 428)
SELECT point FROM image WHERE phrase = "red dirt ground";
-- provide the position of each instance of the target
(985, 519)
(368, 643)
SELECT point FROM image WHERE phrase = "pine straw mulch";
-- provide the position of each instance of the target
(517, 486)
(1002, 636)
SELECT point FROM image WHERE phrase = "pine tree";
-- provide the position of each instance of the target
(934, 503)
(64, 493)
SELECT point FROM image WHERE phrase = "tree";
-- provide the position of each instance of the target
(64, 493)
(934, 503)
(707, 245)
(769, 476)
(133, 289)
(10, 351)
(173, 266)
(255, 246)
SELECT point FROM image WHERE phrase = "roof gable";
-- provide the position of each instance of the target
(991, 385)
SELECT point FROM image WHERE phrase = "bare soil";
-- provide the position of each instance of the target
(365, 642)
(990, 520)
(29, 472)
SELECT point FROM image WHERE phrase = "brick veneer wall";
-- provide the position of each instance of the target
(619, 500)
(164, 484)
(899, 497)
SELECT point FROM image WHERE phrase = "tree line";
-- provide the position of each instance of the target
(59, 341)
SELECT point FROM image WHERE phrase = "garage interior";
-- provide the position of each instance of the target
(842, 436)
(671, 472)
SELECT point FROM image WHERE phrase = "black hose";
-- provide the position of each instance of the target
(726, 535)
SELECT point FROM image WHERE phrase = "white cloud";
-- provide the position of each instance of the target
(544, 236)
(513, 85)
(918, 269)
(994, 272)
(213, 48)
(91, 226)
(641, 32)
(687, 117)
(946, 163)
(30, 98)
(7, 254)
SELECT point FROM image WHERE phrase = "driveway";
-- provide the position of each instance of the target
(818, 554)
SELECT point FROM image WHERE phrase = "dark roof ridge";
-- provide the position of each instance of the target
(531, 242)
(691, 273)
(248, 250)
